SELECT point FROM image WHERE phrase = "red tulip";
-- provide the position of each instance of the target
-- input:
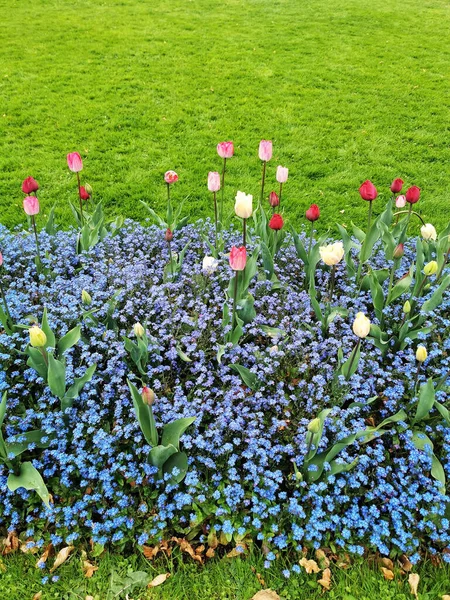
(274, 199)
(368, 191)
(225, 149)
(31, 205)
(74, 162)
(313, 213)
(413, 194)
(276, 222)
(83, 193)
(238, 258)
(29, 185)
(169, 235)
(396, 186)
(170, 177)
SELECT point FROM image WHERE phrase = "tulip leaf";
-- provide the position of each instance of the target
(177, 460)
(436, 298)
(74, 390)
(56, 376)
(250, 379)
(69, 340)
(182, 354)
(267, 260)
(51, 342)
(402, 286)
(3, 408)
(30, 437)
(144, 414)
(37, 362)
(30, 479)
(426, 400)
(174, 430)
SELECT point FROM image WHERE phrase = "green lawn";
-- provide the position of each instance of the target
(347, 90)
(220, 579)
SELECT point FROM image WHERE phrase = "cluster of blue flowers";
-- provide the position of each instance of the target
(244, 445)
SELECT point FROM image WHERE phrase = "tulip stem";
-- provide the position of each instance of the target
(33, 221)
(170, 258)
(81, 200)
(223, 189)
(444, 262)
(262, 183)
(370, 216)
(352, 359)
(215, 219)
(279, 195)
(332, 280)
(2, 292)
(409, 212)
(311, 237)
(391, 278)
(169, 208)
(233, 321)
(244, 232)
(44, 355)
(417, 375)
(310, 441)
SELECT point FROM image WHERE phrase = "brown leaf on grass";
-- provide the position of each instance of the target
(159, 579)
(240, 549)
(387, 573)
(28, 549)
(310, 566)
(446, 597)
(259, 577)
(210, 553)
(37, 596)
(61, 557)
(413, 581)
(405, 563)
(322, 558)
(185, 546)
(150, 551)
(325, 582)
(213, 542)
(266, 595)
(89, 569)
(43, 559)
(387, 562)
(10, 543)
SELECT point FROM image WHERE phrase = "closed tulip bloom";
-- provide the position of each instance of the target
(238, 258)
(314, 425)
(148, 396)
(282, 174)
(213, 181)
(29, 185)
(170, 177)
(313, 213)
(1, 259)
(332, 254)
(407, 307)
(88, 189)
(265, 150)
(169, 235)
(400, 201)
(274, 199)
(74, 162)
(276, 222)
(396, 186)
(225, 149)
(31, 205)
(209, 265)
(399, 251)
(413, 194)
(421, 354)
(84, 194)
(86, 298)
(430, 268)
(38, 339)
(243, 205)
(361, 325)
(368, 191)
(428, 232)
(139, 331)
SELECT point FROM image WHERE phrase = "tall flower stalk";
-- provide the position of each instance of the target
(244, 209)
(214, 187)
(31, 208)
(265, 154)
(224, 150)
(312, 214)
(282, 177)
(75, 164)
(238, 260)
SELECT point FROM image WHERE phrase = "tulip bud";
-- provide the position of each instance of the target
(238, 258)
(86, 298)
(368, 191)
(313, 213)
(407, 307)
(169, 235)
(29, 185)
(139, 331)
(74, 162)
(421, 354)
(282, 174)
(38, 339)
(265, 150)
(400, 201)
(361, 325)
(399, 251)
(31, 205)
(428, 232)
(84, 194)
(396, 186)
(148, 396)
(274, 200)
(430, 268)
(88, 189)
(1, 259)
(276, 222)
(213, 181)
(314, 425)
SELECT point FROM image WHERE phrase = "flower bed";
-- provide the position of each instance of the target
(312, 425)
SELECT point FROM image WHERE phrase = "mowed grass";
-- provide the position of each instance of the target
(218, 579)
(346, 89)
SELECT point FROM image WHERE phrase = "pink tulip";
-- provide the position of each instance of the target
(265, 150)
(282, 174)
(400, 201)
(274, 199)
(74, 161)
(238, 258)
(31, 205)
(225, 149)
(213, 181)
(1, 259)
(170, 177)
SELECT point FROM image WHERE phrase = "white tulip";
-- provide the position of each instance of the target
(210, 265)
(361, 325)
(428, 232)
(332, 254)
(400, 201)
(243, 206)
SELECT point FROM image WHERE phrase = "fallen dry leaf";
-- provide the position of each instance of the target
(10, 544)
(61, 557)
(240, 549)
(413, 581)
(310, 566)
(210, 552)
(37, 596)
(387, 562)
(325, 582)
(405, 563)
(43, 558)
(185, 546)
(266, 595)
(159, 579)
(89, 569)
(446, 597)
(387, 573)
(150, 552)
(89, 598)
(322, 558)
